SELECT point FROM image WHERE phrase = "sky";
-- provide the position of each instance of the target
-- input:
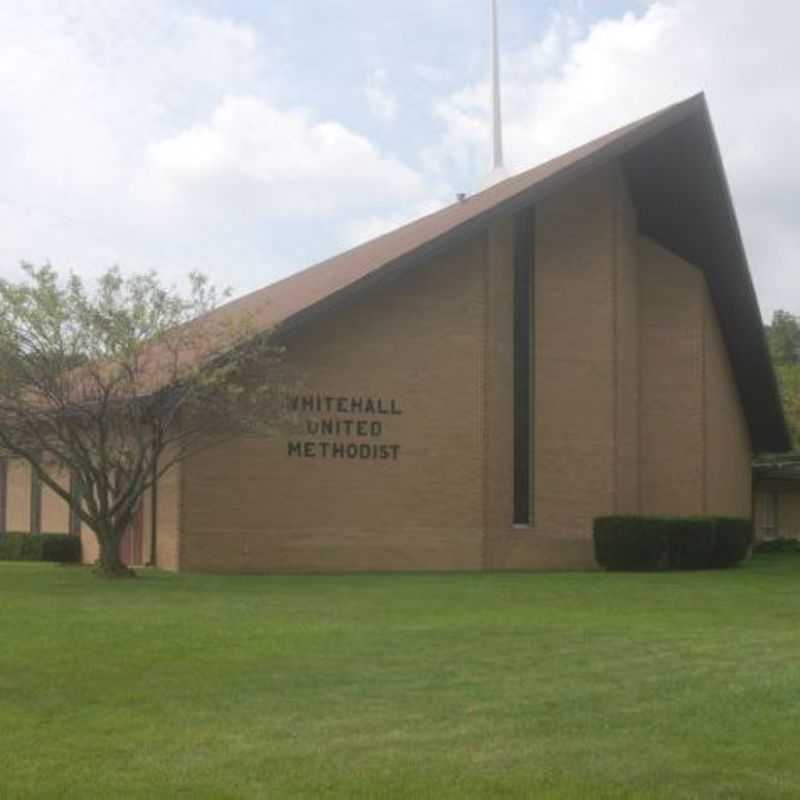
(248, 139)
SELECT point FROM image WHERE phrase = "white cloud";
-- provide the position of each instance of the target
(85, 86)
(140, 133)
(382, 103)
(370, 227)
(283, 161)
(575, 84)
(430, 73)
(153, 135)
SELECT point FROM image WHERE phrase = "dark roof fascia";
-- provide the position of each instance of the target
(679, 183)
(478, 224)
(752, 299)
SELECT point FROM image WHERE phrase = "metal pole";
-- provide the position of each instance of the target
(497, 121)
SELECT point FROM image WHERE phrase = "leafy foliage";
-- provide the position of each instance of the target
(634, 543)
(779, 546)
(733, 541)
(783, 338)
(117, 382)
(630, 543)
(690, 543)
(55, 547)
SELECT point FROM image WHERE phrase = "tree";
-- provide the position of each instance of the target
(118, 382)
(789, 382)
(783, 338)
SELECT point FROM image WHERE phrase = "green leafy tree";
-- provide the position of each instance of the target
(117, 382)
(789, 382)
(783, 338)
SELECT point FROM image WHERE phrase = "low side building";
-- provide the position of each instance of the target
(579, 340)
(776, 500)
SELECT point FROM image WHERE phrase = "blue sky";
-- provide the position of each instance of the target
(250, 138)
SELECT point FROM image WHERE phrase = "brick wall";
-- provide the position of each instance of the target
(727, 446)
(584, 373)
(673, 383)
(695, 443)
(18, 515)
(168, 520)
(55, 510)
(417, 341)
(631, 391)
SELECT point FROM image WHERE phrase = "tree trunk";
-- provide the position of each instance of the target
(109, 564)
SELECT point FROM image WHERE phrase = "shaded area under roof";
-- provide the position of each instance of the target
(681, 194)
(788, 471)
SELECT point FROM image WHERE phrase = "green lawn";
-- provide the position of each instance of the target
(460, 686)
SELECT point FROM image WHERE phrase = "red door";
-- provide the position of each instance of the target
(132, 544)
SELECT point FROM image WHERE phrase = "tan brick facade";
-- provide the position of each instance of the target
(18, 512)
(418, 342)
(695, 443)
(626, 349)
(634, 410)
(672, 383)
(55, 510)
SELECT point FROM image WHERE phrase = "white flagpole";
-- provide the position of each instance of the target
(497, 162)
(498, 170)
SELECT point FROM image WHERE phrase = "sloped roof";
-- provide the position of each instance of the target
(683, 202)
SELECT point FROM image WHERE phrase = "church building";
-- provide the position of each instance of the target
(579, 340)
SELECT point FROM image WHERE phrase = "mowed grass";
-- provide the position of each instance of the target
(407, 686)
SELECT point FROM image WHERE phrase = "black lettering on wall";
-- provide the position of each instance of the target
(295, 449)
(523, 348)
(344, 417)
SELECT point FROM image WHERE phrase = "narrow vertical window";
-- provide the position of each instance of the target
(3, 495)
(77, 499)
(36, 502)
(523, 346)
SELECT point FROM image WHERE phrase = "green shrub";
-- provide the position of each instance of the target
(734, 540)
(773, 546)
(61, 548)
(690, 542)
(684, 543)
(19, 547)
(57, 547)
(630, 543)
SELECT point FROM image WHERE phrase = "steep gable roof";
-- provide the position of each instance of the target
(683, 202)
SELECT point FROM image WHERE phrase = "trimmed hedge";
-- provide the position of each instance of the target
(56, 547)
(690, 543)
(734, 541)
(629, 543)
